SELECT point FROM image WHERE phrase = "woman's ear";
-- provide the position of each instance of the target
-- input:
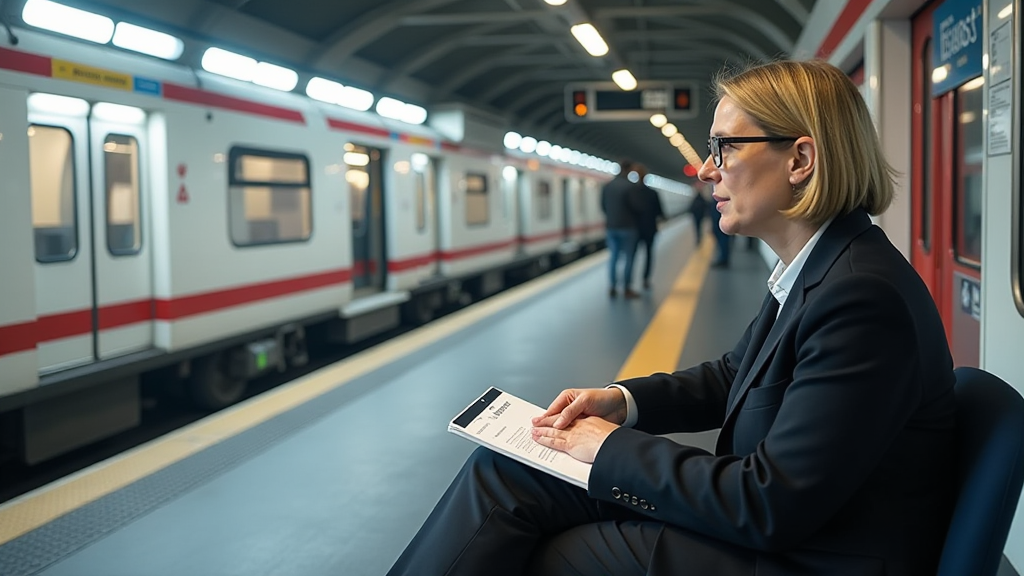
(801, 166)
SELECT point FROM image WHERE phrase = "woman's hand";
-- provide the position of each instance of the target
(581, 439)
(606, 403)
(578, 421)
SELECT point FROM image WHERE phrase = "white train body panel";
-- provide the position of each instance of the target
(180, 280)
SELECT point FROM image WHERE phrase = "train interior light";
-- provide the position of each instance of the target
(60, 105)
(67, 20)
(119, 113)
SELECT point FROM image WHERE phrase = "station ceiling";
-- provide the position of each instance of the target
(508, 60)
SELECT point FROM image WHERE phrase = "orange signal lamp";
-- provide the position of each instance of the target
(580, 109)
(689, 170)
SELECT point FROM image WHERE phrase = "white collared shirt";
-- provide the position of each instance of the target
(780, 284)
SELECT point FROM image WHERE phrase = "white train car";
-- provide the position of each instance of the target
(155, 216)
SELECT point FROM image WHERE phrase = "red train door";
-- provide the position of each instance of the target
(946, 190)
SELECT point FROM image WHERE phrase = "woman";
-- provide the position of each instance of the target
(835, 407)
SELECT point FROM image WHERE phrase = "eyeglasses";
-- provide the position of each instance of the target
(715, 144)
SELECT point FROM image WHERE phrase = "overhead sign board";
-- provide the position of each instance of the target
(605, 101)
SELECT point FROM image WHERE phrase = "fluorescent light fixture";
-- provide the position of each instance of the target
(614, 168)
(543, 148)
(53, 104)
(118, 113)
(528, 145)
(624, 79)
(555, 153)
(574, 157)
(509, 173)
(659, 120)
(146, 41)
(324, 90)
(274, 76)
(66, 20)
(555, 2)
(939, 74)
(669, 129)
(512, 140)
(590, 38)
(334, 93)
(414, 114)
(229, 64)
(676, 139)
(1004, 13)
(356, 99)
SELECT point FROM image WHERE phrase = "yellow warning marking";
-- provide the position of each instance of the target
(49, 502)
(661, 344)
(75, 72)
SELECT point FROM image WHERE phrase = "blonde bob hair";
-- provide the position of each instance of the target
(814, 98)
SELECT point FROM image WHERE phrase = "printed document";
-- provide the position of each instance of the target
(501, 422)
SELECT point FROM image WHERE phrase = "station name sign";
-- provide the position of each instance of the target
(957, 44)
(605, 101)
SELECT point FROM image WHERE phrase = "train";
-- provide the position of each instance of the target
(156, 217)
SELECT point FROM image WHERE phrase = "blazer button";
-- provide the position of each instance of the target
(625, 497)
(616, 493)
(643, 504)
(653, 508)
(633, 501)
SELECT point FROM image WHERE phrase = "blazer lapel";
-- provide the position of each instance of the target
(758, 335)
(836, 238)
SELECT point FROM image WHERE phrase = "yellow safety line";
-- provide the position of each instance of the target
(49, 502)
(662, 342)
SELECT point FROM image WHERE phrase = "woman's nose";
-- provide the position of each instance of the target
(708, 171)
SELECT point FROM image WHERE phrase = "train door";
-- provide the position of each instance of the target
(94, 293)
(947, 163)
(427, 215)
(366, 195)
(121, 250)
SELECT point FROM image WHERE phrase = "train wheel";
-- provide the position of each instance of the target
(210, 385)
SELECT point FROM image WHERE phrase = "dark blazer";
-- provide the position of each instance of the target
(648, 208)
(836, 449)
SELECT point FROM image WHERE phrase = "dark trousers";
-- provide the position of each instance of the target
(647, 240)
(502, 518)
(698, 222)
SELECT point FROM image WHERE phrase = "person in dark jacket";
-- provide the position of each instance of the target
(698, 209)
(620, 230)
(836, 412)
(649, 215)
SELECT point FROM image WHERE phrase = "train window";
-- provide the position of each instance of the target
(477, 204)
(269, 197)
(124, 213)
(424, 175)
(543, 200)
(52, 169)
(968, 191)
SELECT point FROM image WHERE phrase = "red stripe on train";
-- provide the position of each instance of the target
(24, 62)
(212, 301)
(196, 96)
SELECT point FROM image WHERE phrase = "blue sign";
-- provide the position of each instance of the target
(147, 86)
(957, 44)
